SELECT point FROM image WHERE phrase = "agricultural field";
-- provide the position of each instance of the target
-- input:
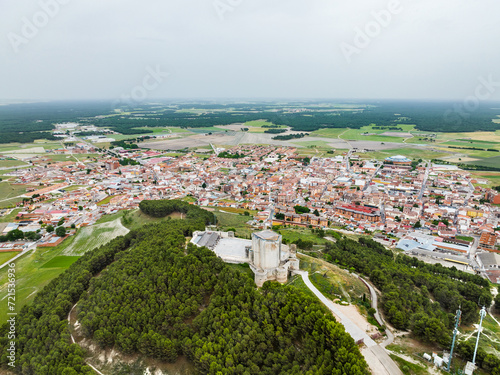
(12, 163)
(94, 236)
(487, 162)
(312, 144)
(411, 153)
(492, 177)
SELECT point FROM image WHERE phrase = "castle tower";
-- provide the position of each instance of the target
(266, 246)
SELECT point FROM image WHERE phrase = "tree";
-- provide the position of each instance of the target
(50, 228)
(204, 185)
(60, 231)
(316, 212)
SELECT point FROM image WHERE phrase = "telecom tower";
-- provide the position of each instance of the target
(471, 366)
(455, 332)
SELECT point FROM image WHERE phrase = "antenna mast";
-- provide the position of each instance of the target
(455, 332)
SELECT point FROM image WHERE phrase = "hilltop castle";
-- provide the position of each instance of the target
(268, 257)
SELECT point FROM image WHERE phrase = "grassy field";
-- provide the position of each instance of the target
(333, 281)
(135, 219)
(61, 262)
(11, 163)
(357, 135)
(487, 162)
(411, 153)
(10, 217)
(261, 123)
(9, 192)
(297, 282)
(409, 368)
(94, 236)
(105, 200)
(312, 144)
(37, 268)
(492, 177)
(31, 277)
(5, 257)
(327, 133)
(227, 220)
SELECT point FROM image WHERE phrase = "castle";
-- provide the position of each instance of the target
(268, 257)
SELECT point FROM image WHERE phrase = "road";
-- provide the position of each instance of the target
(377, 316)
(28, 249)
(424, 183)
(377, 358)
(368, 182)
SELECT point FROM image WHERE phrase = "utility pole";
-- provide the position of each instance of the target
(482, 313)
(455, 332)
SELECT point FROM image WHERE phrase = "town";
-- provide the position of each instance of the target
(436, 212)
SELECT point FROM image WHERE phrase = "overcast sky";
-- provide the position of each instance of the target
(103, 49)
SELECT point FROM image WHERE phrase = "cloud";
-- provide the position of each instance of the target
(259, 48)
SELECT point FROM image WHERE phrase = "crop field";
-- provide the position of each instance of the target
(487, 162)
(412, 153)
(492, 177)
(11, 163)
(61, 262)
(94, 236)
(472, 143)
(357, 135)
(311, 144)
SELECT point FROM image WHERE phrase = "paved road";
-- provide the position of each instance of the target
(377, 358)
(424, 183)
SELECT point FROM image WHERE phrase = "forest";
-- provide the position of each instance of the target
(147, 293)
(416, 296)
(24, 122)
(162, 208)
